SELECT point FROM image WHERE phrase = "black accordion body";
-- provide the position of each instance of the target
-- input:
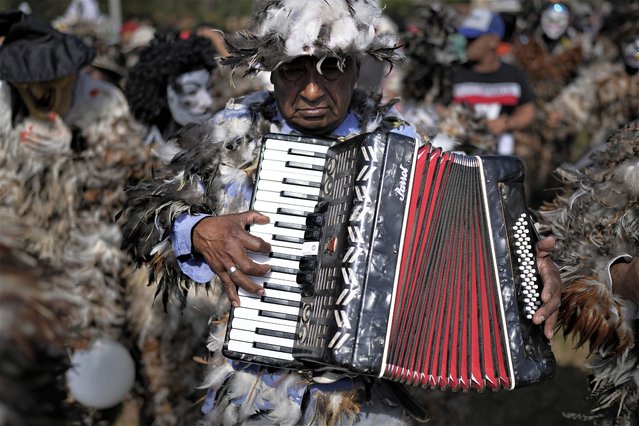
(408, 264)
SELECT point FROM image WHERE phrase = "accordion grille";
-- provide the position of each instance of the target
(338, 184)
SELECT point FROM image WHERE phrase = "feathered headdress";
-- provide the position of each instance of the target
(284, 29)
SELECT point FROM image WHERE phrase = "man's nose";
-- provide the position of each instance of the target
(313, 90)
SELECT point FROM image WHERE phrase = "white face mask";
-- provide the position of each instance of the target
(190, 98)
(631, 53)
(554, 21)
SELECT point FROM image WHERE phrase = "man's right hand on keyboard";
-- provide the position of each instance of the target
(223, 242)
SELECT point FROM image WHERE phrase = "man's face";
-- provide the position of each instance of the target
(478, 48)
(312, 102)
(45, 97)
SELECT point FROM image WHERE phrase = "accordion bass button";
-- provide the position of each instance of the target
(312, 234)
(315, 219)
(308, 263)
(308, 291)
(305, 277)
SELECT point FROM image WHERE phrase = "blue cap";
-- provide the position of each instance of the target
(481, 22)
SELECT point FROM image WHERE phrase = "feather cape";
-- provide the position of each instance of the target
(66, 198)
(595, 220)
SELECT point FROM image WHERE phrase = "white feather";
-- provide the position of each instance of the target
(343, 33)
(276, 19)
(366, 11)
(303, 32)
(216, 375)
(299, 25)
(165, 151)
(229, 126)
(286, 411)
(364, 38)
(216, 339)
(627, 173)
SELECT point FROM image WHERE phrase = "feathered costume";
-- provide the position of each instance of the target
(587, 88)
(430, 55)
(38, 311)
(67, 190)
(213, 175)
(605, 93)
(548, 72)
(596, 220)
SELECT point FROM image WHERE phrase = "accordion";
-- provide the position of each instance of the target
(390, 260)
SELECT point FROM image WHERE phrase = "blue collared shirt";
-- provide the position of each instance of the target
(193, 264)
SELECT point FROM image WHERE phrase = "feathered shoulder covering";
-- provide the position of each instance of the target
(595, 220)
(211, 175)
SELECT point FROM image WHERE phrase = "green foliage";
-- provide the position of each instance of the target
(187, 13)
(182, 14)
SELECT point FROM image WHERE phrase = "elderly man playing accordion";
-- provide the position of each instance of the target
(189, 225)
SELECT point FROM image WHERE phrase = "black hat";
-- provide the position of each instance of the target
(34, 51)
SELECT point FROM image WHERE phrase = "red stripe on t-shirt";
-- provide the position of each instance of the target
(474, 100)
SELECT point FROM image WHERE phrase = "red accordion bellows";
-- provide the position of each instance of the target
(447, 276)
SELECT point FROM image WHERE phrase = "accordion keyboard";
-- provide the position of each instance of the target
(287, 187)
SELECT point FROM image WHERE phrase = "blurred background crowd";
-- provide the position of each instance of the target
(152, 67)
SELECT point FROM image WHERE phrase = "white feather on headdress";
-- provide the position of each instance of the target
(284, 29)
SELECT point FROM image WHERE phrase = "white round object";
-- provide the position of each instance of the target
(101, 376)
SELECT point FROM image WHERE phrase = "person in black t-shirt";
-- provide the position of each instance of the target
(497, 91)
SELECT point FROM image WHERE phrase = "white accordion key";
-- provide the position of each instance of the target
(249, 348)
(254, 316)
(310, 248)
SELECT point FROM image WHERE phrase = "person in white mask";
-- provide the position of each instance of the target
(554, 22)
(170, 86)
(189, 97)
